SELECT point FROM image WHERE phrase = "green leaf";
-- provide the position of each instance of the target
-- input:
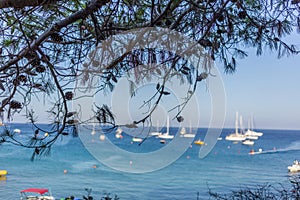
(7, 42)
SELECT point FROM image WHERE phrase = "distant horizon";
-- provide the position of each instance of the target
(172, 126)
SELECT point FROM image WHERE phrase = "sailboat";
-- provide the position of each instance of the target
(166, 135)
(250, 132)
(155, 133)
(189, 135)
(236, 136)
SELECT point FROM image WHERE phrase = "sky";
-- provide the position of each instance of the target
(263, 86)
(268, 88)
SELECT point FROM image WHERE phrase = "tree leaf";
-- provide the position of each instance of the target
(166, 93)
(157, 86)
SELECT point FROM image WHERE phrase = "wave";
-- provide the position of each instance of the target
(294, 146)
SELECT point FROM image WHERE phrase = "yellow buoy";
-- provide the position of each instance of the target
(3, 172)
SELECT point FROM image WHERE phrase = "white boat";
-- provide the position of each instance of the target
(182, 131)
(16, 130)
(250, 131)
(295, 167)
(137, 139)
(236, 136)
(253, 133)
(248, 142)
(36, 194)
(155, 133)
(166, 134)
(187, 135)
(251, 137)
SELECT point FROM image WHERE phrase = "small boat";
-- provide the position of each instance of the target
(189, 135)
(162, 141)
(36, 194)
(3, 174)
(16, 130)
(199, 142)
(252, 152)
(136, 139)
(248, 142)
(295, 167)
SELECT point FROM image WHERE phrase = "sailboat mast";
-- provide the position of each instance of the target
(241, 124)
(168, 124)
(236, 122)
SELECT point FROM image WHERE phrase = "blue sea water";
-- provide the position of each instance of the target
(227, 167)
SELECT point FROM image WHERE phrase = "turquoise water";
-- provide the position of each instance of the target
(227, 167)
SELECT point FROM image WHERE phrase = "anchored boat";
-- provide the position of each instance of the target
(36, 194)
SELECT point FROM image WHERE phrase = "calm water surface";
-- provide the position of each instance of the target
(227, 167)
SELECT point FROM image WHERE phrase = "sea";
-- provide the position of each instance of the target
(72, 168)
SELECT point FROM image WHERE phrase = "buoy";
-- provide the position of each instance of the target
(102, 137)
(3, 172)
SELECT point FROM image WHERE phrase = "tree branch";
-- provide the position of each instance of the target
(22, 3)
(82, 14)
